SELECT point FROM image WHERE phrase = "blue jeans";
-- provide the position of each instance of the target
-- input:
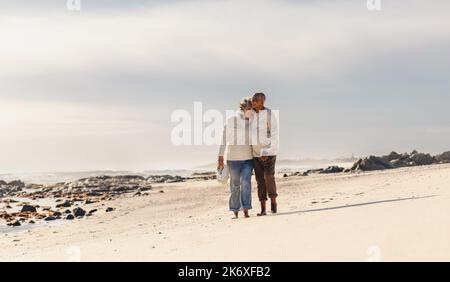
(240, 184)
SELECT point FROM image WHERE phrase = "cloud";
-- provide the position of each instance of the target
(31, 119)
(101, 77)
(196, 40)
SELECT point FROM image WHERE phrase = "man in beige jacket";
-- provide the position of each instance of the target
(265, 149)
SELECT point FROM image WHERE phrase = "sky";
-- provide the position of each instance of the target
(96, 88)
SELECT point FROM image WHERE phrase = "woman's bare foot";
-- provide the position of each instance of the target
(246, 213)
(236, 215)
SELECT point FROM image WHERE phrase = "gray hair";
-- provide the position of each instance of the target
(246, 102)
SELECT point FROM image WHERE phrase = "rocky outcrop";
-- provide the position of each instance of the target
(443, 158)
(328, 170)
(421, 159)
(394, 160)
(11, 188)
(390, 161)
(165, 179)
(371, 163)
(333, 169)
(210, 175)
(69, 194)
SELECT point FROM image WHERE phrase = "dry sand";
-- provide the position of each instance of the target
(401, 214)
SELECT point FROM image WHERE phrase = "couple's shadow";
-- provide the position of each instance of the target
(354, 205)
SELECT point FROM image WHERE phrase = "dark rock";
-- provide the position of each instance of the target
(209, 175)
(130, 177)
(165, 178)
(67, 211)
(16, 183)
(79, 212)
(93, 211)
(443, 158)
(66, 204)
(15, 223)
(70, 217)
(50, 218)
(422, 159)
(28, 208)
(392, 156)
(371, 163)
(333, 169)
(109, 209)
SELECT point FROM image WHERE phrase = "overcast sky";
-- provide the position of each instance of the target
(95, 89)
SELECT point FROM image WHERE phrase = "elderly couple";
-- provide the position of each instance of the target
(250, 140)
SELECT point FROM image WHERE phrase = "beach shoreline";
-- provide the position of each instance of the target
(387, 215)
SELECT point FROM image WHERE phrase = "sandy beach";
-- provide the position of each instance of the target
(392, 215)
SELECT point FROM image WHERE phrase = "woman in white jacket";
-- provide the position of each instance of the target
(236, 141)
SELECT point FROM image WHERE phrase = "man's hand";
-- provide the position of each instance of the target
(220, 164)
(264, 158)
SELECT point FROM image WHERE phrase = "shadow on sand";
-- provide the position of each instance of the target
(357, 205)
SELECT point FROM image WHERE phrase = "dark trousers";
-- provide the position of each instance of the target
(265, 177)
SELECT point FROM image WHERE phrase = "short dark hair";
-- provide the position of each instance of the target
(259, 95)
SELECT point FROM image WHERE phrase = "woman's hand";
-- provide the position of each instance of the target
(220, 164)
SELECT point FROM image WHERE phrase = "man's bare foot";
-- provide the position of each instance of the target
(263, 209)
(274, 208)
(236, 215)
(246, 213)
(273, 205)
